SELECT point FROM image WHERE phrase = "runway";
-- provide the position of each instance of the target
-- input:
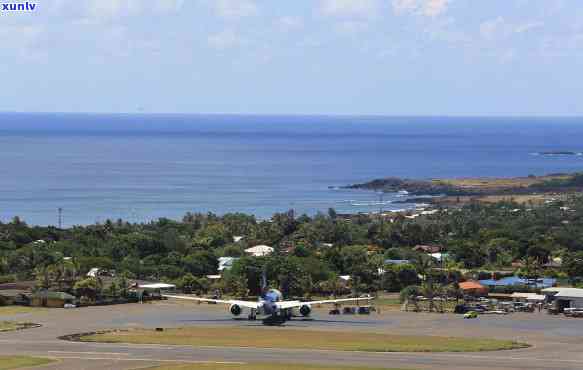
(556, 340)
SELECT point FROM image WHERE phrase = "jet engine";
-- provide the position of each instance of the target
(235, 309)
(305, 310)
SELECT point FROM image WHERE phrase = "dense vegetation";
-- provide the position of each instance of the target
(311, 252)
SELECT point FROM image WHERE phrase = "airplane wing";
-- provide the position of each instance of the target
(247, 304)
(295, 304)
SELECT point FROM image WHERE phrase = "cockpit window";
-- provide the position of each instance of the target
(273, 295)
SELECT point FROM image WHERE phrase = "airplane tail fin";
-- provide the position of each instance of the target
(264, 280)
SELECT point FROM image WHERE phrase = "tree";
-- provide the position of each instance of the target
(113, 290)
(291, 277)
(573, 266)
(188, 283)
(89, 288)
(409, 295)
(200, 263)
(424, 265)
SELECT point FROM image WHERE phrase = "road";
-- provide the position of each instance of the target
(556, 340)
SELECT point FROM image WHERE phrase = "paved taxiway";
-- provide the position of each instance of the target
(556, 340)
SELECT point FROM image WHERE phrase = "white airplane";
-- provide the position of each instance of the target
(271, 307)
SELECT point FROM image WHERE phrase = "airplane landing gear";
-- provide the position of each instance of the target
(274, 320)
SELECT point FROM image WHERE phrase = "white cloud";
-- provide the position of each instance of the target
(499, 28)
(435, 7)
(108, 9)
(224, 40)
(349, 8)
(490, 29)
(529, 26)
(352, 27)
(507, 56)
(234, 9)
(428, 8)
(289, 23)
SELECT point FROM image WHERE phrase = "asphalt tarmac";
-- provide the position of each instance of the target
(556, 341)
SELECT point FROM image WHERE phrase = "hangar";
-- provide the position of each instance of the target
(563, 298)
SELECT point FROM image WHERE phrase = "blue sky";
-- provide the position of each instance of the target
(388, 57)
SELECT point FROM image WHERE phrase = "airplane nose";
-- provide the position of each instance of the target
(269, 308)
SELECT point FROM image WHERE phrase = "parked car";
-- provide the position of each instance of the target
(523, 307)
(573, 312)
(471, 315)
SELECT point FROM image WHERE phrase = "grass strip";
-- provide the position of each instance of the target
(302, 339)
(18, 362)
(12, 326)
(17, 310)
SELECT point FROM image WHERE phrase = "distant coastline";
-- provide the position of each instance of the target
(560, 152)
(552, 183)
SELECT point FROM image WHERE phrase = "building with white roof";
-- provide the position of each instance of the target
(93, 272)
(260, 250)
(225, 263)
(158, 286)
(564, 297)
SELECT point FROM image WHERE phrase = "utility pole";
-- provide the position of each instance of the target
(60, 211)
(381, 198)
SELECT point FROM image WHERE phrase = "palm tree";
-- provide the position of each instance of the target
(424, 266)
(43, 277)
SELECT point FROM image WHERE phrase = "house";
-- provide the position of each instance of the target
(556, 262)
(237, 239)
(474, 288)
(427, 248)
(94, 272)
(439, 256)
(226, 263)
(259, 250)
(14, 296)
(157, 286)
(45, 298)
(527, 297)
(397, 262)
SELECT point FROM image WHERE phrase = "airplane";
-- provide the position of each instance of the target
(271, 306)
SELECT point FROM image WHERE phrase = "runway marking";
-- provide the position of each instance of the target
(149, 360)
(376, 354)
(92, 353)
(393, 354)
(402, 355)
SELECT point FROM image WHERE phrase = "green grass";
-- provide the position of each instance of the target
(17, 310)
(18, 362)
(258, 367)
(12, 325)
(302, 339)
(387, 302)
(9, 326)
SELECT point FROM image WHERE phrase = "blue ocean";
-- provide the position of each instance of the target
(142, 167)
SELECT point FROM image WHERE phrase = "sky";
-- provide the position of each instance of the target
(345, 57)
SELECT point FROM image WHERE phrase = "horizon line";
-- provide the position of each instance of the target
(335, 115)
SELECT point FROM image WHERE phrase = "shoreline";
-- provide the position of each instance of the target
(477, 186)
